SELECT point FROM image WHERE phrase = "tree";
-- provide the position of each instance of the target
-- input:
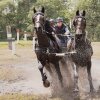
(20, 15)
(92, 8)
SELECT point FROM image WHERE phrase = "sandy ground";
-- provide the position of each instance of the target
(19, 73)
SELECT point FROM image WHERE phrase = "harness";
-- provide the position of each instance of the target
(48, 49)
(40, 49)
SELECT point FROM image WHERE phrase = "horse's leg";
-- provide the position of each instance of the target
(48, 68)
(46, 83)
(89, 76)
(59, 73)
(75, 68)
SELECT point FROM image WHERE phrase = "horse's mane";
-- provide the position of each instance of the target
(48, 27)
(49, 31)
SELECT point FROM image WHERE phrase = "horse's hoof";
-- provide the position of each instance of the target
(46, 83)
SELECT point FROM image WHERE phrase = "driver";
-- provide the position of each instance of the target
(62, 29)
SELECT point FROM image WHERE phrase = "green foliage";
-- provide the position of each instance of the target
(4, 3)
(20, 15)
(54, 8)
(92, 8)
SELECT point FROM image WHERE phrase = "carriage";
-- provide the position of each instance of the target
(66, 45)
(81, 58)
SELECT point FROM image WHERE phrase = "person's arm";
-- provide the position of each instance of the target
(67, 32)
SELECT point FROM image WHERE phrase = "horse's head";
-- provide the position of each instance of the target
(80, 22)
(39, 19)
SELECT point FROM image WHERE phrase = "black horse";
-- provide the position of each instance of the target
(83, 48)
(45, 44)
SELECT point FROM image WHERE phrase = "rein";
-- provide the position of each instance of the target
(39, 13)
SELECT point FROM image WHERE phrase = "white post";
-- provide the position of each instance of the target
(25, 36)
(13, 47)
(33, 42)
(9, 35)
(17, 35)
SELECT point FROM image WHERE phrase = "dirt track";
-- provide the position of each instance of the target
(19, 73)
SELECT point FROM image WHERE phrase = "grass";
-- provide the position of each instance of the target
(96, 49)
(3, 44)
(28, 44)
(24, 97)
(20, 44)
(20, 97)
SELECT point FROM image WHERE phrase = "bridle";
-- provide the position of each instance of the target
(76, 19)
(37, 47)
(41, 24)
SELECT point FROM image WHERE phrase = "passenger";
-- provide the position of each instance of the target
(52, 23)
(50, 30)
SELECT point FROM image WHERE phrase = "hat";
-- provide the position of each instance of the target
(52, 20)
(59, 19)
